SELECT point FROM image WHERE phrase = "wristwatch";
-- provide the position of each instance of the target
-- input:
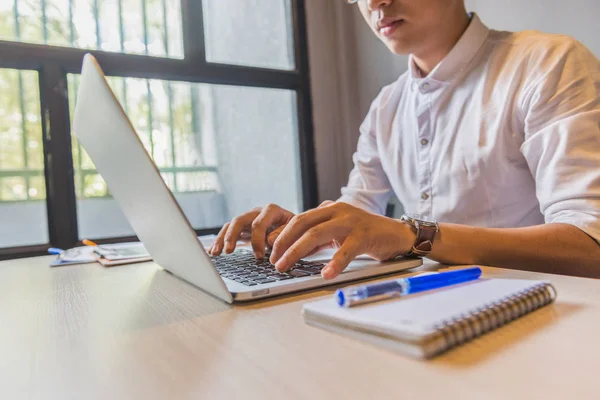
(425, 230)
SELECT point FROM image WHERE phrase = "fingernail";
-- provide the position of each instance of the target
(259, 255)
(280, 266)
(327, 273)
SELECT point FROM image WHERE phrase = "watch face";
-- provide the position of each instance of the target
(417, 220)
(420, 218)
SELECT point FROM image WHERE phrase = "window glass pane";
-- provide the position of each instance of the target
(22, 186)
(257, 147)
(249, 32)
(131, 26)
(221, 150)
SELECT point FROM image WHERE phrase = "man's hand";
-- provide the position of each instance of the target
(263, 225)
(354, 230)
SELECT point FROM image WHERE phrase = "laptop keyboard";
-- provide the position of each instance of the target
(242, 267)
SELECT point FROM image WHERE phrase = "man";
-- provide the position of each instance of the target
(495, 135)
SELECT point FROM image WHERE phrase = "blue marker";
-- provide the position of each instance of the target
(54, 250)
(401, 287)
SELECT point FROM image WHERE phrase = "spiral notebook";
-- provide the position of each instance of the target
(427, 324)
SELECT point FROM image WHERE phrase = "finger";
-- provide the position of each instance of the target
(217, 246)
(347, 252)
(245, 236)
(329, 245)
(312, 239)
(296, 228)
(272, 237)
(326, 203)
(236, 226)
(270, 215)
(333, 244)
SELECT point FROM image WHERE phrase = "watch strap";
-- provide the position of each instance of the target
(425, 232)
(424, 241)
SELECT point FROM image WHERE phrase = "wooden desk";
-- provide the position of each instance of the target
(136, 332)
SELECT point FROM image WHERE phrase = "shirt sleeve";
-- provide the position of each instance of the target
(368, 185)
(562, 136)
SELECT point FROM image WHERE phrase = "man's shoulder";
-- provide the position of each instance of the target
(532, 44)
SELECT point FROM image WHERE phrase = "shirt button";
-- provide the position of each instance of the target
(425, 86)
(424, 142)
(424, 196)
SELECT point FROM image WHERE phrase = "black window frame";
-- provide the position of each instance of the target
(53, 63)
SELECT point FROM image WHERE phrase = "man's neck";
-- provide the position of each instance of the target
(448, 36)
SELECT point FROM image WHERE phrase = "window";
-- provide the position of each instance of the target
(224, 115)
(127, 26)
(266, 42)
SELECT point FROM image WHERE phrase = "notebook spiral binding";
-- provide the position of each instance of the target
(460, 329)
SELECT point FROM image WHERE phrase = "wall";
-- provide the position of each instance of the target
(577, 18)
(333, 72)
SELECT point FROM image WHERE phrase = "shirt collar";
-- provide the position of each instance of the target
(461, 54)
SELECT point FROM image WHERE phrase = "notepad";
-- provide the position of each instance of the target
(427, 324)
(110, 255)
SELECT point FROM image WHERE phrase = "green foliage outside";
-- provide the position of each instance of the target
(163, 113)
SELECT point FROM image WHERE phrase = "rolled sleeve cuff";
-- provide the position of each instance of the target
(590, 224)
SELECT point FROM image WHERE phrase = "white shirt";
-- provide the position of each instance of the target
(504, 132)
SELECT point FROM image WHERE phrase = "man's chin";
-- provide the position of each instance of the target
(399, 44)
(398, 48)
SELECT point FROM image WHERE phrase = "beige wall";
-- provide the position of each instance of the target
(332, 55)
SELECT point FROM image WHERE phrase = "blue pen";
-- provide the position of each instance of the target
(401, 287)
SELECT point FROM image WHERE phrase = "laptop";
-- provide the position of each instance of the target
(109, 138)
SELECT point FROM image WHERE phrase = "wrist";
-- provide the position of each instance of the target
(406, 237)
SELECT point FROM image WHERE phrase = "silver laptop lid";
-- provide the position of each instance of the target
(108, 137)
